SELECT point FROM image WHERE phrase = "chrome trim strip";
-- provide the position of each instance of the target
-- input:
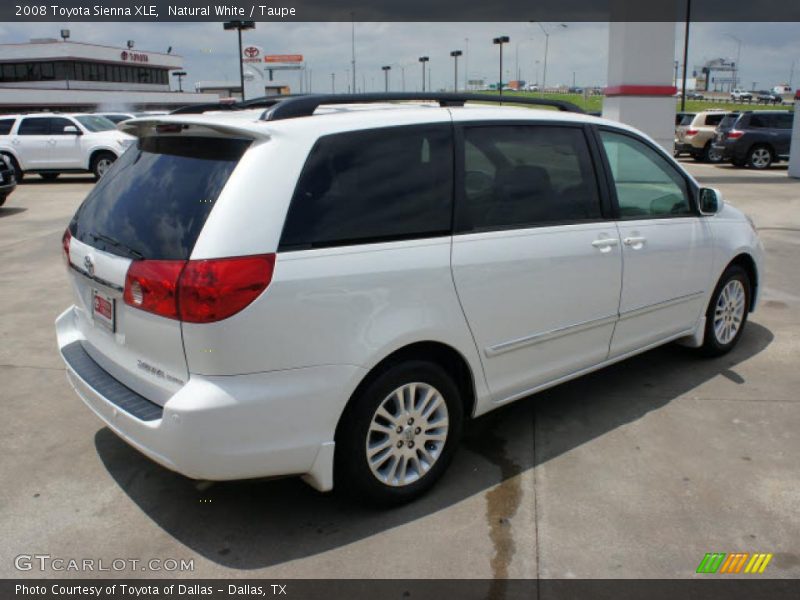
(538, 338)
(99, 280)
(636, 312)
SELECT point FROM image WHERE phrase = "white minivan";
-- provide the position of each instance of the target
(329, 286)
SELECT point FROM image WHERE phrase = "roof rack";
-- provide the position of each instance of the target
(261, 102)
(304, 105)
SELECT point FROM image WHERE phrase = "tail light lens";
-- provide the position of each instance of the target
(197, 291)
(65, 242)
(691, 132)
(734, 134)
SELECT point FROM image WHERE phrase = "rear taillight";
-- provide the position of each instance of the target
(197, 291)
(152, 285)
(692, 131)
(65, 242)
(734, 134)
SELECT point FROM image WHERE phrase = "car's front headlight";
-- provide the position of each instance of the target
(125, 142)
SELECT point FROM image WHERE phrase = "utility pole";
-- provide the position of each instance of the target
(353, 46)
(423, 60)
(386, 69)
(686, 52)
(499, 41)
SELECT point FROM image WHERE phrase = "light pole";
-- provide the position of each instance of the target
(423, 60)
(333, 83)
(546, 48)
(499, 41)
(738, 54)
(239, 26)
(455, 54)
(353, 47)
(180, 75)
(686, 53)
(386, 69)
(466, 65)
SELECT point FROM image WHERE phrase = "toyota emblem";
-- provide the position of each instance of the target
(89, 264)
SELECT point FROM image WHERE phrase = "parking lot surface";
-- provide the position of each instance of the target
(635, 471)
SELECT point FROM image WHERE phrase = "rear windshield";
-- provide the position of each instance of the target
(687, 119)
(728, 121)
(155, 199)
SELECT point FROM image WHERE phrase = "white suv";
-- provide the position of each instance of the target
(53, 143)
(331, 291)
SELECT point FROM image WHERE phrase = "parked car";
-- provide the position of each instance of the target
(326, 294)
(53, 143)
(757, 139)
(694, 96)
(532, 87)
(768, 97)
(681, 118)
(741, 95)
(8, 181)
(695, 137)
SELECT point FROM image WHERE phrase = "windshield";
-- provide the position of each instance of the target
(95, 123)
(154, 200)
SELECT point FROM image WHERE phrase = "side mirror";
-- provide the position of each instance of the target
(72, 129)
(709, 201)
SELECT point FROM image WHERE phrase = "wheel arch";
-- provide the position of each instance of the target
(441, 354)
(98, 151)
(746, 262)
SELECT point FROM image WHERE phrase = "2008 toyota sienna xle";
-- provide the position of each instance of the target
(329, 286)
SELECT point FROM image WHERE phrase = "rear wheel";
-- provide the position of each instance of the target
(101, 163)
(399, 434)
(18, 172)
(727, 312)
(3, 199)
(49, 176)
(711, 154)
(760, 157)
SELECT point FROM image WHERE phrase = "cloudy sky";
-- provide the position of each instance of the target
(768, 50)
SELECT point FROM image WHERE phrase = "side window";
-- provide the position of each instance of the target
(759, 121)
(784, 121)
(371, 186)
(57, 125)
(527, 175)
(646, 184)
(714, 119)
(5, 126)
(34, 126)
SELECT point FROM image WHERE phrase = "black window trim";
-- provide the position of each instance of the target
(460, 159)
(282, 247)
(691, 188)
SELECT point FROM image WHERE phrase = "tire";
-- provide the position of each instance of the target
(760, 157)
(18, 172)
(101, 162)
(710, 155)
(49, 176)
(3, 199)
(730, 300)
(392, 437)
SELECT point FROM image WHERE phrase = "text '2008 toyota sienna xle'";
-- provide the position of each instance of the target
(330, 286)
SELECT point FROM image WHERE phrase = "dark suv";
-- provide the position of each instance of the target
(755, 138)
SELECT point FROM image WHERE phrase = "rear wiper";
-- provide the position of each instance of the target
(117, 244)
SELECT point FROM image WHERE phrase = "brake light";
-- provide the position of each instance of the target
(735, 134)
(65, 243)
(692, 131)
(197, 291)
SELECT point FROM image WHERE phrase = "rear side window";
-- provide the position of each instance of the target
(759, 121)
(5, 126)
(34, 126)
(370, 186)
(784, 120)
(526, 175)
(155, 199)
(714, 120)
(729, 120)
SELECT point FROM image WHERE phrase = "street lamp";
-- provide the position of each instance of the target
(64, 35)
(503, 39)
(239, 26)
(455, 54)
(423, 60)
(546, 48)
(180, 75)
(386, 69)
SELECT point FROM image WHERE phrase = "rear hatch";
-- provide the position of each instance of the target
(149, 208)
(680, 130)
(727, 123)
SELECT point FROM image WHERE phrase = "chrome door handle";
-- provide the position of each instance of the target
(605, 243)
(634, 241)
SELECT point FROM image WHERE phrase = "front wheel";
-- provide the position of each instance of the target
(727, 312)
(399, 434)
(101, 163)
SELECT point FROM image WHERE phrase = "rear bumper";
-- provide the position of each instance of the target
(223, 427)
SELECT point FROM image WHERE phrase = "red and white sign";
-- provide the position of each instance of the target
(137, 57)
(283, 58)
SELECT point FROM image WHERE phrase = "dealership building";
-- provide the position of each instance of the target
(48, 74)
